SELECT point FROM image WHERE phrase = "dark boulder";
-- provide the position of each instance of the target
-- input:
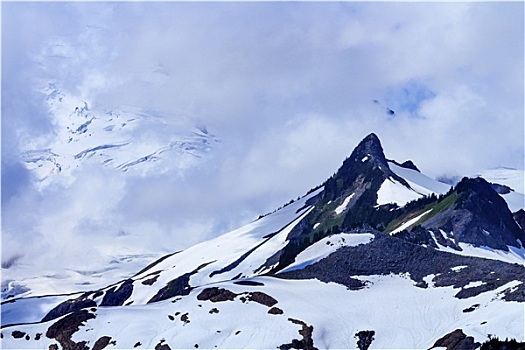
(69, 306)
(457, 340)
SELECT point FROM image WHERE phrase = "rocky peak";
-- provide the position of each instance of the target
(479, 216)
(478, 186)
(366, 163)
(368, 150)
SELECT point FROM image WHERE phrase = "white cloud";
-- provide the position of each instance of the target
(286, 86)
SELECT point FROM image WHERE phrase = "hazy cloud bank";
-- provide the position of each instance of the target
(287, 87)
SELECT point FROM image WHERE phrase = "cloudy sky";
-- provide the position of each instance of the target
(287, 88)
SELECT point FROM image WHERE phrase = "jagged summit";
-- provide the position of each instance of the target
(368, 152)
(370, 147)
(367, 166)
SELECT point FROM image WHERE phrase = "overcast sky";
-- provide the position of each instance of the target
(288, 88)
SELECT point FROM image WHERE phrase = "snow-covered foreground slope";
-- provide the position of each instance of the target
(271, 312)
(237, 254)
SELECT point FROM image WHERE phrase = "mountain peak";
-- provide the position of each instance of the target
(369, 147)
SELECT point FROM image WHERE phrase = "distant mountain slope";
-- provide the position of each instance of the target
(112, 137)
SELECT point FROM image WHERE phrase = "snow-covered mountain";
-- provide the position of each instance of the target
(112, 137)
(378, 256)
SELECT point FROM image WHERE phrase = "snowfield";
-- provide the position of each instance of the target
(402, 317)
(392, 191)
(418, 181)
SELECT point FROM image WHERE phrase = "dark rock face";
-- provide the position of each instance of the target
(500, 189)
(482, 217)
(519, 217)
(248, 283)
(419, 235)
(216, 294)
(112, 297)
(117, 297)
(410, 165)
(457, 340)
(360, 176)
(364, 339)
(63, 329)
(496, 344)
(306, 343)
(275, 311)
(185, 318)
(518, 294)
(367, 161)
(18, 334)
(387, 254)
(262, 298)
(101, 343)
(161, 346)
(406, 164)
(471, 308)
(68, 306)
(472, 212)
(178, 286)
(150, 281)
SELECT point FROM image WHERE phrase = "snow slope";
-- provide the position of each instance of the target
(402, 317)
(392, 191)
(419, 182)
(238, 254)
(513, 256)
